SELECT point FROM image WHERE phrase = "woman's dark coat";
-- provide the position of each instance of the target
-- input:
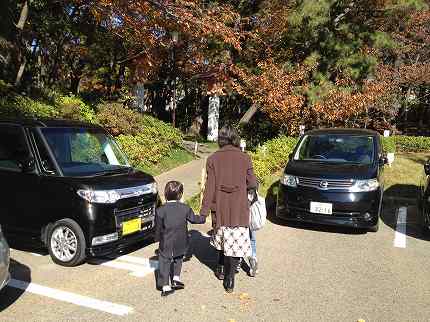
(229, 175)
(171, 228)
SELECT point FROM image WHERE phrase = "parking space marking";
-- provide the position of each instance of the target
(104, 306)
(400, 235)
(137, 266)
(139, 260)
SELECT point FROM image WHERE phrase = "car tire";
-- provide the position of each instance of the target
(66, 243)
(375, 228)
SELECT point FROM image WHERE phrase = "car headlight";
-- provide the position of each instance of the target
(99, 196)
(365, 185)
(289, 180)
(154, 188)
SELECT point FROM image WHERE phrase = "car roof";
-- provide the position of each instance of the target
(49, 123)
(344, 131)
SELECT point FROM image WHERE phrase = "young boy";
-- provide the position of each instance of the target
(172, 233)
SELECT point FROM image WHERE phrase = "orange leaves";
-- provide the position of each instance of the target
(274, 89)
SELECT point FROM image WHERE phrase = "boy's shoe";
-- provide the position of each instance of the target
(253, 270)
(167, 293)
(177, 285)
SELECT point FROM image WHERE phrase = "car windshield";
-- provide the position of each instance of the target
(85, 152)
(336, 148)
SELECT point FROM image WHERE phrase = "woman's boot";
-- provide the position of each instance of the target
(219, 272)
(220, 269)
(229, 283)
(230, 267)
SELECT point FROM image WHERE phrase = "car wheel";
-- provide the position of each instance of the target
(66, 243)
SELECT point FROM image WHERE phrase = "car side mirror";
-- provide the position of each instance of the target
(27, 164)
(427, 168)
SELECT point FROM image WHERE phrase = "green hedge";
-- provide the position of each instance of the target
(272, 156)
(73, 108)
(23, 107)
(412, 143)
(389, 144)
(403, 143)
(13, 105)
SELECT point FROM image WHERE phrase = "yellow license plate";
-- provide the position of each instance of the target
(131, 226)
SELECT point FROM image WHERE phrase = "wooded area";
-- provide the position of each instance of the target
(320, 63)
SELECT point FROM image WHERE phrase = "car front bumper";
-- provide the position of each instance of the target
(352, 209)
(122, 243)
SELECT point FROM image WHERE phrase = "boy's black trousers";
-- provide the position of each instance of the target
(168, 267)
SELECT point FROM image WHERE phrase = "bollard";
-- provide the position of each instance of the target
(196, 147)
(242, 145)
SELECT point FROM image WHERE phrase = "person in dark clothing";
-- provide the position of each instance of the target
(172, 233)
(230, 175)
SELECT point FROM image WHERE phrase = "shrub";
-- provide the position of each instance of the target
(72, 107)
(122, 121)
(150, 140)
(145, 150)
(119, 120)
(18, 106)
(272, 156)
(389, 144)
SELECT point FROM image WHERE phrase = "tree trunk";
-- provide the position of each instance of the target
(20, 25)
(20, 71)
(249, 114)
(120, 78)
(23, 16)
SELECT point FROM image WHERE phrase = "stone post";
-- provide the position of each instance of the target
(213, 118)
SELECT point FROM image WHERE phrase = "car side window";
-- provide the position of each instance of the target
(45, 159)
(13, 147)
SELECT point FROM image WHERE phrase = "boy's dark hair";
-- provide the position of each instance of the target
(228, 136)
(173, 190)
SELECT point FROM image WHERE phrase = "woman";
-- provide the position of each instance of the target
(229, 176)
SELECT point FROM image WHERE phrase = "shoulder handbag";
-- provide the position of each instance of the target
(257, 213)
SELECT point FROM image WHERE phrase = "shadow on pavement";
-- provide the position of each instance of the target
(399, 196)
(402, 192)
(202, 249)
(31, 246)
(10, 295)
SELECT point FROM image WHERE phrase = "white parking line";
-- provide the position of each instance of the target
(400, 236)
(139, 260)
(73, 298)
(138, 267)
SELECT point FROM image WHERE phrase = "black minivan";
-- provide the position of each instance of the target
(334, 177)
(69, 185)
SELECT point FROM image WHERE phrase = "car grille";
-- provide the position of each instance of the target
(145, 211)
(325, 184)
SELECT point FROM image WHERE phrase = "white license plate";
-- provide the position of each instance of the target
(321, 208)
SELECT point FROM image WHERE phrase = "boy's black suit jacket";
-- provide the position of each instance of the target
(171, 228)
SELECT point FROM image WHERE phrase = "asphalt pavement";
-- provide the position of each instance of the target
(306, 273)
